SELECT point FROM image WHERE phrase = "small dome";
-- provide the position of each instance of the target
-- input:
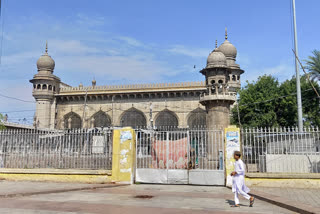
(228, 49)
(45, 62)
(216, 59)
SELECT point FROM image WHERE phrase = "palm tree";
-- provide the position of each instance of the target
(313, 65)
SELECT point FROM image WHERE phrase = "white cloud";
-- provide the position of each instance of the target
(114, 67)
(84, 19)
(131, 41)
(71, 47)
(192, 52)
(281, 71)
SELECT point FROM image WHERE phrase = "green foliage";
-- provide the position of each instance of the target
(1, 123)
(266, 103)
(313, 65)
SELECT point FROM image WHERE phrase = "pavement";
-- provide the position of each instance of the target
(296, 199)
(52, 198)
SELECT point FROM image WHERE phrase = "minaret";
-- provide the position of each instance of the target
(45, 86)
(222, 80)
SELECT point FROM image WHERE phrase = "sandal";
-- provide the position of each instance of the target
(236, 205)
(251, 202)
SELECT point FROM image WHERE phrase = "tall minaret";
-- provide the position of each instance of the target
(45, 86)
(222, 80)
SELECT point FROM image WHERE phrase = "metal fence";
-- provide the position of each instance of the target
(285, 150)
(60, 149)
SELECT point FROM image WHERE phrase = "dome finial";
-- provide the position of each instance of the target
(226, 33)
(216, 43)
(46, 46)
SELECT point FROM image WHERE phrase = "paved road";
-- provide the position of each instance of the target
(123, 199)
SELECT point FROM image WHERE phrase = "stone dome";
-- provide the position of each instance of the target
(45, 62)
(228, 49)
(216, 59)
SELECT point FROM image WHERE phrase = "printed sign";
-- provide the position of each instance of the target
(232, 144)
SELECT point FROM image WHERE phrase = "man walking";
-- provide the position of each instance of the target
(238, 185)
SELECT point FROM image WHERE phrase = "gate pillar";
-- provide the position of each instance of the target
(123, 156)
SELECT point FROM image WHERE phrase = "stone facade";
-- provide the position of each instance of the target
(188, 104)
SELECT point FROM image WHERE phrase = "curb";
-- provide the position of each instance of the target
(60, 190)
(284, 203)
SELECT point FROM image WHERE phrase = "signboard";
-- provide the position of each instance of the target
(232, 144)
(98, 144)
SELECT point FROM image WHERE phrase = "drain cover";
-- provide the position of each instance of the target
(143, 196)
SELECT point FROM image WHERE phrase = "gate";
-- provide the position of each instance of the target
(180, 157)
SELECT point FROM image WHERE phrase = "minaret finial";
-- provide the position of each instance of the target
(216, 43)
(47, 46)
(226, 33)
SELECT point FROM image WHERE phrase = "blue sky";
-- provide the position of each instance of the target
(124, 42)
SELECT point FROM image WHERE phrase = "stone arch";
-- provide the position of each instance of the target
(50, 88)
(134, 118)
(38, 86)
(101, 119)
(72, 121)
(166, 118)
(44, 87)
(197, 118)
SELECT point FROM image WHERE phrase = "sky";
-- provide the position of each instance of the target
(144, 41)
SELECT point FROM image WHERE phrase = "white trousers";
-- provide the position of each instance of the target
(245, 195)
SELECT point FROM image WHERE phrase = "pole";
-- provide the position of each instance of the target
(151, 120)
(299, 103)
(84, 108)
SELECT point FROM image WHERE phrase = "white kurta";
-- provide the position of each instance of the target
(238, 185)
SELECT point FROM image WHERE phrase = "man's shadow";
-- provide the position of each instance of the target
(231, 202)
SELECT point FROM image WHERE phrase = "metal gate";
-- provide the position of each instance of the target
(180, 157)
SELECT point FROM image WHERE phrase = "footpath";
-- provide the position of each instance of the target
(53, 198)
(297, 200)
(46, 197)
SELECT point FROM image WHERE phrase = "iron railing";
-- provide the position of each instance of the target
(60, 149)
(281, 150)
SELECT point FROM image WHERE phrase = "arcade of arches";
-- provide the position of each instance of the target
(136, 118)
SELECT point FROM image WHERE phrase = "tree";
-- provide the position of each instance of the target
(267, 103)
(254, 108)
(1, 122)
(313, 65)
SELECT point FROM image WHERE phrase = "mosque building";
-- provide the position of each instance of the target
(184, 105)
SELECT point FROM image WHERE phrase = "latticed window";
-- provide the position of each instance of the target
(166, 118)
(197, 118)
(101, 119)
(133, 118)
(72, 121)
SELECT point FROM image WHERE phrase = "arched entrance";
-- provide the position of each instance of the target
(133, 118)
(166, 118)
(101, 119)
(72, 121)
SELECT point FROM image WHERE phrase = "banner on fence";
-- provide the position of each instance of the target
(172, 154)
(232, 144)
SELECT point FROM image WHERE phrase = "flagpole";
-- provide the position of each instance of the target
(299, 103)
